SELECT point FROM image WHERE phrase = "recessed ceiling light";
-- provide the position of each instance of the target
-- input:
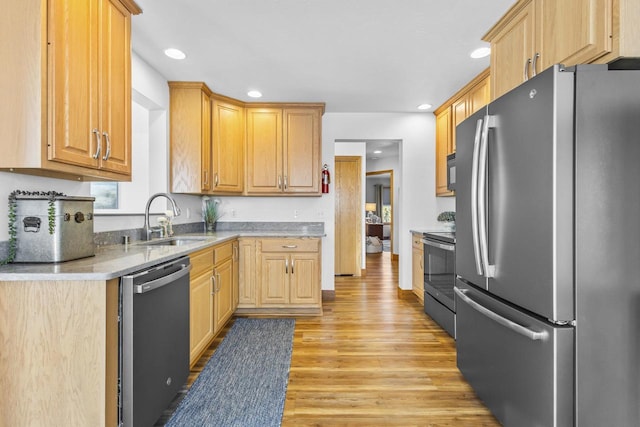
(377, 152)
(481, 52)
(254, 94)
(424, 106)
(175, 53)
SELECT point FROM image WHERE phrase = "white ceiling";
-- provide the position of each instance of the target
(354, 55)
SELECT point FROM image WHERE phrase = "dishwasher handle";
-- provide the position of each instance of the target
(160, 282)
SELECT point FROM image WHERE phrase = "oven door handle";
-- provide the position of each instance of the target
(444, 246)
(155, 284)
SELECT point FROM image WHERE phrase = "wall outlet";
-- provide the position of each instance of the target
(233, 213)
(188, 213)
(296, 212)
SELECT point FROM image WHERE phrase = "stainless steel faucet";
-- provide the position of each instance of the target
(147, 230)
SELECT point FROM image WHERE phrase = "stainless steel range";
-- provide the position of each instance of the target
(439, 278)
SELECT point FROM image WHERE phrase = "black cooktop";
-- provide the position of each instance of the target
(441, 236)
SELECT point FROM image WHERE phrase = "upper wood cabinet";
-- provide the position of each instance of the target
(465, 102)
(227, 145)
(70, 116)
(284, 150)
(443, 147)
(190, 136)
(535, 34)
(213, 137)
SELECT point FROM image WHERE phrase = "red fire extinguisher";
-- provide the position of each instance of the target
(326, 179)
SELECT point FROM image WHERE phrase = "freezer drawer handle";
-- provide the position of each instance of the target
(519, 329)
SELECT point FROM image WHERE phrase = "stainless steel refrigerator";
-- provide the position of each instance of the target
(548, 250)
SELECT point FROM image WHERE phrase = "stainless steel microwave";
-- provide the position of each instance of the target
(451, 172)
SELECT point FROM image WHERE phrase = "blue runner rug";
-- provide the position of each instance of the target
(245, 382)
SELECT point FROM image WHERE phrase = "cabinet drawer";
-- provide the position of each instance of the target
(201, 261)
(222, 252)
(416, 240)
(290, 245)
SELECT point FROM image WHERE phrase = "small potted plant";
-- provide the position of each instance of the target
(211, 212)
(448, 219)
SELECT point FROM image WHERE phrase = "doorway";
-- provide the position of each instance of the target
(348, 220)
(379, 193)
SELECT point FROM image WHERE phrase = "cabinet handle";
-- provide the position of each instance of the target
(96, 132)
(213, 284)
(279, 182)
(286, 266)
(218, 282)
(108, 152)
(289, 246)
(215, 180)
(535, 64)
(235, 252)
(526, 69)
(286, 185)
(293, 264)
(206, 177)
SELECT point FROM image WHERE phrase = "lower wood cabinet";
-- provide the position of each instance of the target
(213, 290)
(417, 266)
(280, 276)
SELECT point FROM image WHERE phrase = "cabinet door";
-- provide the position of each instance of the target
(247, 274)
(479, 96)
(304, 276)
(73, 82)
(417, 273)
(301, 150)
(227, 146)
(443, 137)
(223, 295)
(459, 111)
(274, 279)
(572, 31)
(200, 314)
(115, 87)
(264, 150)
(205, 143)
(235, 286)
(511, 52)
(190, 130)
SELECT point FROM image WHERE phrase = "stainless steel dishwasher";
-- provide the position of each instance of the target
(154, 340)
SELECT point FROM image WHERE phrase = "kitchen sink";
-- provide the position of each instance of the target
(175, 241)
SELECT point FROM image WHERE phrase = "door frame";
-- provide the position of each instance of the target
(393, 211)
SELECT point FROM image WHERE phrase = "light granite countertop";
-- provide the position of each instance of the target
(117, 260)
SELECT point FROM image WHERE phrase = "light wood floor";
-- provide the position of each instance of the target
(372, 359)
(376, 359)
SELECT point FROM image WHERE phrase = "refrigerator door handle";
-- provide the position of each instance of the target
(519, 329)
(489, 270)
(474, 199)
